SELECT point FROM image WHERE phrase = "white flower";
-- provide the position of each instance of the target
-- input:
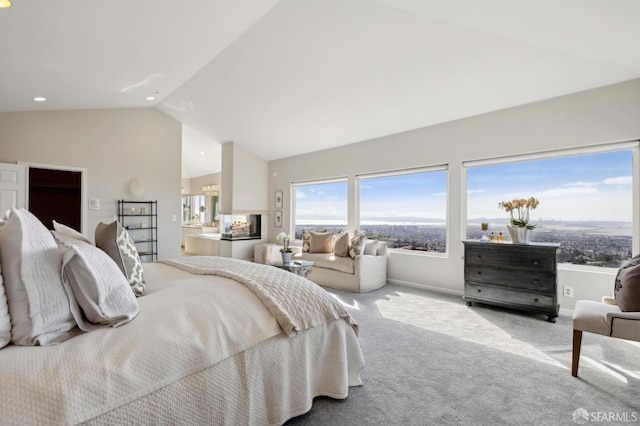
(285, 238)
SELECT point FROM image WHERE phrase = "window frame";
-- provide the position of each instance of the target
(403, 172)
(292, 197)
(631, 145)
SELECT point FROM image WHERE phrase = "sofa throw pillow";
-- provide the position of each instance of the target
(67, 230)
(118, 244)
(321, 242)
(627, 286)
(306, 240)
(357, 243)
(341, 244)
(31, 267)
(99, 294)
(371, 247)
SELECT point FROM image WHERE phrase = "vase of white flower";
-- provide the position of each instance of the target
(285, 250)
(519, 228)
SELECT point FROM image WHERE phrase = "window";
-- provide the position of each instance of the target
(407, 209)
(585, 200)
(320, 206)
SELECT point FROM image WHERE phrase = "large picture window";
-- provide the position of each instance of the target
(320, 206)
(407, 209)
(585, 202)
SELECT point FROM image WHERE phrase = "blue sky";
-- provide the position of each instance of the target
(585, 187)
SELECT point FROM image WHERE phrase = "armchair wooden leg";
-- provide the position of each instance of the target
(577, 342)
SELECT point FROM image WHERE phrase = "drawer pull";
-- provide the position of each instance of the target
(479, 290)
(478, 257)
(535, 281)
(535, 300)
(535, 262)
(479, 273)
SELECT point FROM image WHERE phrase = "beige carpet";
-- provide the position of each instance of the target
(433, 360)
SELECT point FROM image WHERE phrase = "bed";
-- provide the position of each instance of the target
(208, 346)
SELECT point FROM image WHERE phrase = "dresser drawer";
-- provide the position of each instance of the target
(498, 295)
(539, 281)
(532, 261)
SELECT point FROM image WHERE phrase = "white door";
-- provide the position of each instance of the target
(12, 186)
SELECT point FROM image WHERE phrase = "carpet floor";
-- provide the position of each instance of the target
(432, 360)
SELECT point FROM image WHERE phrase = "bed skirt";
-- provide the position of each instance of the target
(267, 384)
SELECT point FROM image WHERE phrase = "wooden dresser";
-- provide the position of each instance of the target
(520, 276)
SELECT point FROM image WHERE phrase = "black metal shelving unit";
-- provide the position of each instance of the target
(140, 219)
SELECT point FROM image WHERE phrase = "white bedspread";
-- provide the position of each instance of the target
(181, 329)
(295, 302)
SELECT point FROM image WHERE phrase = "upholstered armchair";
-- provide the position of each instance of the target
(604, 318)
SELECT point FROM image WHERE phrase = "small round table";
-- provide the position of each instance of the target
(298, 267)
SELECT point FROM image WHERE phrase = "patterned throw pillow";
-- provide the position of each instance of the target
(321, 242)
(357, 243)
(627, 286)
(341, 244)
(118, 244)
(306, 240)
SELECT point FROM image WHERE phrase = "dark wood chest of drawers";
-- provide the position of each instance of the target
(521, 276)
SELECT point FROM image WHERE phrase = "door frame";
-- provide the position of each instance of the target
(83, 186)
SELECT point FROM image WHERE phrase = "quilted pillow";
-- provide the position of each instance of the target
(341, 244)
(118, 244)
(321, 242)
(627, 286)
(66, 230)
(357, 243)
(31, 266)
(95, 285)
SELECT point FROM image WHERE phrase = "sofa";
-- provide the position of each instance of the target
(360, 273)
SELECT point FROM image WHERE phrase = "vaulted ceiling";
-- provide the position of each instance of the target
(293, 76)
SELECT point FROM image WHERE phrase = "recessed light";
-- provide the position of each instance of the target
(151, 98)
(202, 153)
(5, 3)
(38, 98)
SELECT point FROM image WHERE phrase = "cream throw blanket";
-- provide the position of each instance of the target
(295, 302)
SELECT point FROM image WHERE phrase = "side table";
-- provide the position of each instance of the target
(298, 267)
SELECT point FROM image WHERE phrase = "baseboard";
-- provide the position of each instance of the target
(426, 287)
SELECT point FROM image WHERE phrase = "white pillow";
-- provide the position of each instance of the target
(96, 286)
(31, 265)
(5, 319)
(66, 230)
(371, 247)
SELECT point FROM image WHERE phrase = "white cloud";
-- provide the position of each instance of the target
(581, 184)
(564, 192)
(620, 180)
(474, 191)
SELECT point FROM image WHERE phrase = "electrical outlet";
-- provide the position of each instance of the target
(174, 218)
(568, 291)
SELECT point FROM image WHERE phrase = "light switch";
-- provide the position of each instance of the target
(94, 203)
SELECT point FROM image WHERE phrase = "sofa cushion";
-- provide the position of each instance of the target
(328, 261)
(357, 243)
(627, 286)
(321, 242)
(341, 244)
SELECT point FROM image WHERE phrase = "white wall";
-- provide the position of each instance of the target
(244, 181)
(588, 118)
(115, 146)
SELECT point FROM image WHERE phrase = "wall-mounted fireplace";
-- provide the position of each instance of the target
(240, 227)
